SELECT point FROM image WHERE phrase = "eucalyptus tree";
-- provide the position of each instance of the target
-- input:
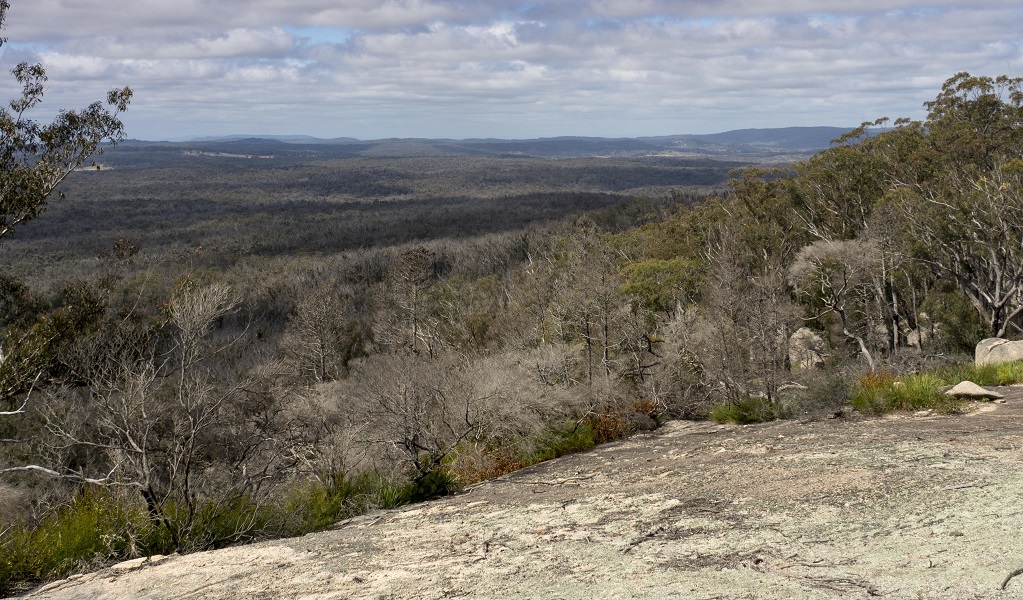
(36, 157)
(964, 205)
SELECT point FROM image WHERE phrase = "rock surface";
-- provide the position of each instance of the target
(899, 507)
(806, 348)
(968, 389)
(993, 351)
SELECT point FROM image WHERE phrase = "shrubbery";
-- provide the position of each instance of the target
(749, 410)
(881, 392)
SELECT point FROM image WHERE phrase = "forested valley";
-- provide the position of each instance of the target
(211, 348)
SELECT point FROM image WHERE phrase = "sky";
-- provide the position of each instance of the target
(374, 69)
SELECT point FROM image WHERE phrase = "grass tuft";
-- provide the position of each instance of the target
(882, 392)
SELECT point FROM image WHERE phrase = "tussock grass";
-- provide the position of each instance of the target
(882, 392)
(1001, 374)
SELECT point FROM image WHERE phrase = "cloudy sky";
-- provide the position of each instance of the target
(506, 68)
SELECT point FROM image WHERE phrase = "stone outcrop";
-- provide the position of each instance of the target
(968, 389)
(993, 351)
(806, 349)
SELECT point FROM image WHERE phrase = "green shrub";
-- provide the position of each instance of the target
(220, 523)
(438, 482)
(96, 526)
(317, 505)
(749, 410)
(106, 525)
(390, 496)
(561, 441)
(881, 392)
(1000, 374)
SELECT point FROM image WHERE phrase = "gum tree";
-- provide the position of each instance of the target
(964, 214)
(36, 157)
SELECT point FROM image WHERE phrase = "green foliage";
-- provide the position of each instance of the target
(561, 441)
(98, 525)
(316, 505)
(984, 375)
(19, 306)
(749, 410)
(880, 393)
(470, 464)
(552, 442)
(660, 285)
(438, 482)
(33, 353)
(681, 234)
(975, 119)
(960, 326)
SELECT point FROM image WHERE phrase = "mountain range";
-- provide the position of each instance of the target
(744, 144)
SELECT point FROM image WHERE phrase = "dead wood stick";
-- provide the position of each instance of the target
(1009, 577)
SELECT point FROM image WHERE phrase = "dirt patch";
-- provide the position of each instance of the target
(899, 507)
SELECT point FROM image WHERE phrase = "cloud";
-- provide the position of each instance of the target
(464, 68)
(268, 43)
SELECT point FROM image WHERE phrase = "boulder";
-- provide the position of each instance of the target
(806, 349)
(925, 333)
(968, 389)
(918, 338)
(992, 351)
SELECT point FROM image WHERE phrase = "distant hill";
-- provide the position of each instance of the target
(743, 145)
(786, 138)
(294, 139)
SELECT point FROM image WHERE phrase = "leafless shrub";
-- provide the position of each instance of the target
(741, 337)
(325, 334)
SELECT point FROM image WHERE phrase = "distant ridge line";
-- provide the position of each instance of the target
(747, 135)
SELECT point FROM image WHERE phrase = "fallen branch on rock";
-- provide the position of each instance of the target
(1009, 577)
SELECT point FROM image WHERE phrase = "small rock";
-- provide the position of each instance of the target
(922, 413)
(968, 389)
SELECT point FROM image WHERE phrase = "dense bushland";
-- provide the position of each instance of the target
(267, 377)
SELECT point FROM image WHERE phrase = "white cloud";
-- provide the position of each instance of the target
(465, 68)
